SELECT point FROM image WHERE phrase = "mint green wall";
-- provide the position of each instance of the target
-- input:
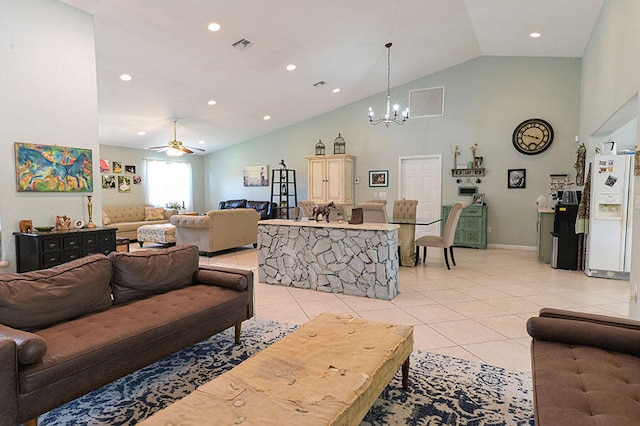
(485, 99)
(136, 157)
(48, 96)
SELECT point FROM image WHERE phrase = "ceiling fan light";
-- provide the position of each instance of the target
(174, 152)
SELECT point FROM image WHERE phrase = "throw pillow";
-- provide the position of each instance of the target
(105, 219)
(38, 299)
(153, 213)
(140, 274)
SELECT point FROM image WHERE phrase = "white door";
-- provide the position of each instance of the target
(421, 179)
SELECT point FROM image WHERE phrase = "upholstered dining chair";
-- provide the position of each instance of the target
(373, 212)
(307, 208)
(445, 241)
(406, 209)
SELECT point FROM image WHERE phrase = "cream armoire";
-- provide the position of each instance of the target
(331, 179)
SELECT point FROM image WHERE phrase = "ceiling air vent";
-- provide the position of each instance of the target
(242, 44)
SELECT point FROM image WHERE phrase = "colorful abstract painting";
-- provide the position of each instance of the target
(52, 168)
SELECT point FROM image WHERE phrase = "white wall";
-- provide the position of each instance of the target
(485, 99)
(49, 96)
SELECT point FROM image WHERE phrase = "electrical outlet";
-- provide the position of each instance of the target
(488, 229)
(375, 195)
(382, 194)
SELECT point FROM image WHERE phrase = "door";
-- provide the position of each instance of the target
(421, 179)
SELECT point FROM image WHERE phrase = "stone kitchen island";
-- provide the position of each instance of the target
(360, 260)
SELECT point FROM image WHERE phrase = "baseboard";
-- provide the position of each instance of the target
(512, 247)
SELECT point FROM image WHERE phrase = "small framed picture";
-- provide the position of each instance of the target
(516, 178)
(478, 199)
(378, 177)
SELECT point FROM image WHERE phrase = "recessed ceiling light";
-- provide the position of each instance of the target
(336, 90)
(125, 77)
(266, 117)
(200, 142)
(214, 26)
(141, 133)
(535, 35)
(211, 102)
(291, 67)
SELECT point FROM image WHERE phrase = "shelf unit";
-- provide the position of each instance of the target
(283, 192)
(467, 172)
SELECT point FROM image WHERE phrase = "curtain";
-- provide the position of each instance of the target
(168, 181)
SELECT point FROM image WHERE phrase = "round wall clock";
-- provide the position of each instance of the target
(532, 136)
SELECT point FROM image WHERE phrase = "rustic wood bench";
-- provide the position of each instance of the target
(329, 371)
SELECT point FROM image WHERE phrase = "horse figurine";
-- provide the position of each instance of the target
(322, 212)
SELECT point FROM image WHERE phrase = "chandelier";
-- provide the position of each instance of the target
(389, 116)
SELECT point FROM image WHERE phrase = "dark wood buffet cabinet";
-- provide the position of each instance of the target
(46, 249)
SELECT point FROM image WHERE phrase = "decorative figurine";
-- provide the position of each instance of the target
(456, 153)
(322, 212)
(63, 223)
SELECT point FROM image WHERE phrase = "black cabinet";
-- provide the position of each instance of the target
(47, 249)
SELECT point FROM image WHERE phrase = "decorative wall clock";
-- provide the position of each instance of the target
(532, 136)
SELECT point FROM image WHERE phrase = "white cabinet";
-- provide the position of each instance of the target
(331, 178)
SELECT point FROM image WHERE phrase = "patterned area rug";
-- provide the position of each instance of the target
(442, 390)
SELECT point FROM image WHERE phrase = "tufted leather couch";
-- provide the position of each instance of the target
(71, 329)
(266, 209)
(585, 369)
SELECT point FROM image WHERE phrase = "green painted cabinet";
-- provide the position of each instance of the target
(472, 226)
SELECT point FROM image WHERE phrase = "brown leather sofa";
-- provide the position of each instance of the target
(585, 369)
(68, 330)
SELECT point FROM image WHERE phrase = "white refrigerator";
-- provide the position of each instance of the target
(610, 217)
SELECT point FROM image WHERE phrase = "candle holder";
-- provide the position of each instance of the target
(90, 209)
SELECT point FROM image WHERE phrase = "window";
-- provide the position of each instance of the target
(168, 181)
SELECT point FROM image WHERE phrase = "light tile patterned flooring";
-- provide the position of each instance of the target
(476, 311)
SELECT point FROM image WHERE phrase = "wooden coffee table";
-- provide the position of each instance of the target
(329, 371)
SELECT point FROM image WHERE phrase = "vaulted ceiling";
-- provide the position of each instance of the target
(177, 65)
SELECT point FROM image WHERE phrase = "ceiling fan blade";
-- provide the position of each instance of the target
(195, 149)
(161, 147)
(185, 149)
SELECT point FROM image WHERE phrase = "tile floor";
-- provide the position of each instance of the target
(476, 311)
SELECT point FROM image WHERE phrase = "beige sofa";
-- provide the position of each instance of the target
(217, 229)
(128, 218)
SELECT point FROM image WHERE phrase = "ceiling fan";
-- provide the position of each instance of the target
(175, 146)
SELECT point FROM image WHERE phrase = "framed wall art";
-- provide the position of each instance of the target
(124, 183)
(378, 177)
(117, 167)
(109, 181)
(52, 168)
(516, 178)
(255, 175)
